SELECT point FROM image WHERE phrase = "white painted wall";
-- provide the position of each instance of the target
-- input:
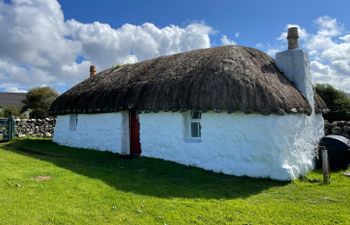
(104, 131)
(295, 65)
(278, 147)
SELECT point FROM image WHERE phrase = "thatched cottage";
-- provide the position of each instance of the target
(228, 109)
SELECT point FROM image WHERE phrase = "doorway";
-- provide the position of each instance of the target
(134, 129)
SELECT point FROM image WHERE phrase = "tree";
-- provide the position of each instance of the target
(10, 110)
(38, 101)
(337, 101)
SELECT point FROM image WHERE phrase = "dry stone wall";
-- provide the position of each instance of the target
(337, 127)
(35, 127)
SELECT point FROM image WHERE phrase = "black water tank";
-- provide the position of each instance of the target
(338, 151)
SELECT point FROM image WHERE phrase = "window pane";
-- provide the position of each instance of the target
(195, 129)
(196, 115)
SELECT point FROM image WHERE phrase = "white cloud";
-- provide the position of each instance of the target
(272, 51)
(227, 41)
(330, 49)
(328, 26)
(11, 87)
(346, 38)
(38, 47)
(107, 46)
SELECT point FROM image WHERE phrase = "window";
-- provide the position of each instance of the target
(73, 121)
(195, 125)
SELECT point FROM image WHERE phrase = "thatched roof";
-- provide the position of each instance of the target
(229, 78)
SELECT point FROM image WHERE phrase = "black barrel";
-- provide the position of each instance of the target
(338, 151)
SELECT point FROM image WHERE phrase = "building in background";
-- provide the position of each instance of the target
(8, 99)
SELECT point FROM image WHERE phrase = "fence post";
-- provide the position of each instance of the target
(325, 165)
(11, 127)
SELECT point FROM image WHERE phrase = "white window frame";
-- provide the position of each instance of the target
(197, 121)
(73, 122)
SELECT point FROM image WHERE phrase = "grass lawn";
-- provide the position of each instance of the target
(91, 187)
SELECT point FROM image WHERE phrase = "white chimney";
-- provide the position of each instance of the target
(294, 63)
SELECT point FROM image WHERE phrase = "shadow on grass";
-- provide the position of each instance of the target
(146, 176)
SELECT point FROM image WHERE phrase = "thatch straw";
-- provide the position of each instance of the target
(230, 78)
(320, 105)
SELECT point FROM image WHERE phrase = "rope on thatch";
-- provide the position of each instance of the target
(229, 78)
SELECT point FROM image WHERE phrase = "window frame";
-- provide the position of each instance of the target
(194, 120)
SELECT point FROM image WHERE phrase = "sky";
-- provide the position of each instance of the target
(53, 43)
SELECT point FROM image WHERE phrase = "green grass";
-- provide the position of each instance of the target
(91, 187)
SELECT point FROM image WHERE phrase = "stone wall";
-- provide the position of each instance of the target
(35, 127)
(337, 127)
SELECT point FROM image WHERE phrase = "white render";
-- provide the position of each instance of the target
(278, 147)
(296, 67)
(103, 131)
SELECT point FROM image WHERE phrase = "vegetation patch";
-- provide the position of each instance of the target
(92, 187)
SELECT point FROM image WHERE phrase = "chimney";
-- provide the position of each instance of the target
(294, 64)
(293, 38)
(92, 71)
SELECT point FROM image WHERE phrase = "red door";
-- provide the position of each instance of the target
(135, 146)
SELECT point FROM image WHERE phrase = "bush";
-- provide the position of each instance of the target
(10, 110)
(38, 101)
(337, 101)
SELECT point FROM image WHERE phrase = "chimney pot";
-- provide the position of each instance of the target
(92, 71)
(293, 38)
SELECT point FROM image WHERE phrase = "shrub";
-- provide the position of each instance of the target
(38, 101)
(10, 110)
(337, 101)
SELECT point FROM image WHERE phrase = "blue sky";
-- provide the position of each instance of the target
(256, 21)
(53, 43)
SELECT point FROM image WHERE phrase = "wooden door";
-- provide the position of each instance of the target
(135, 146)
